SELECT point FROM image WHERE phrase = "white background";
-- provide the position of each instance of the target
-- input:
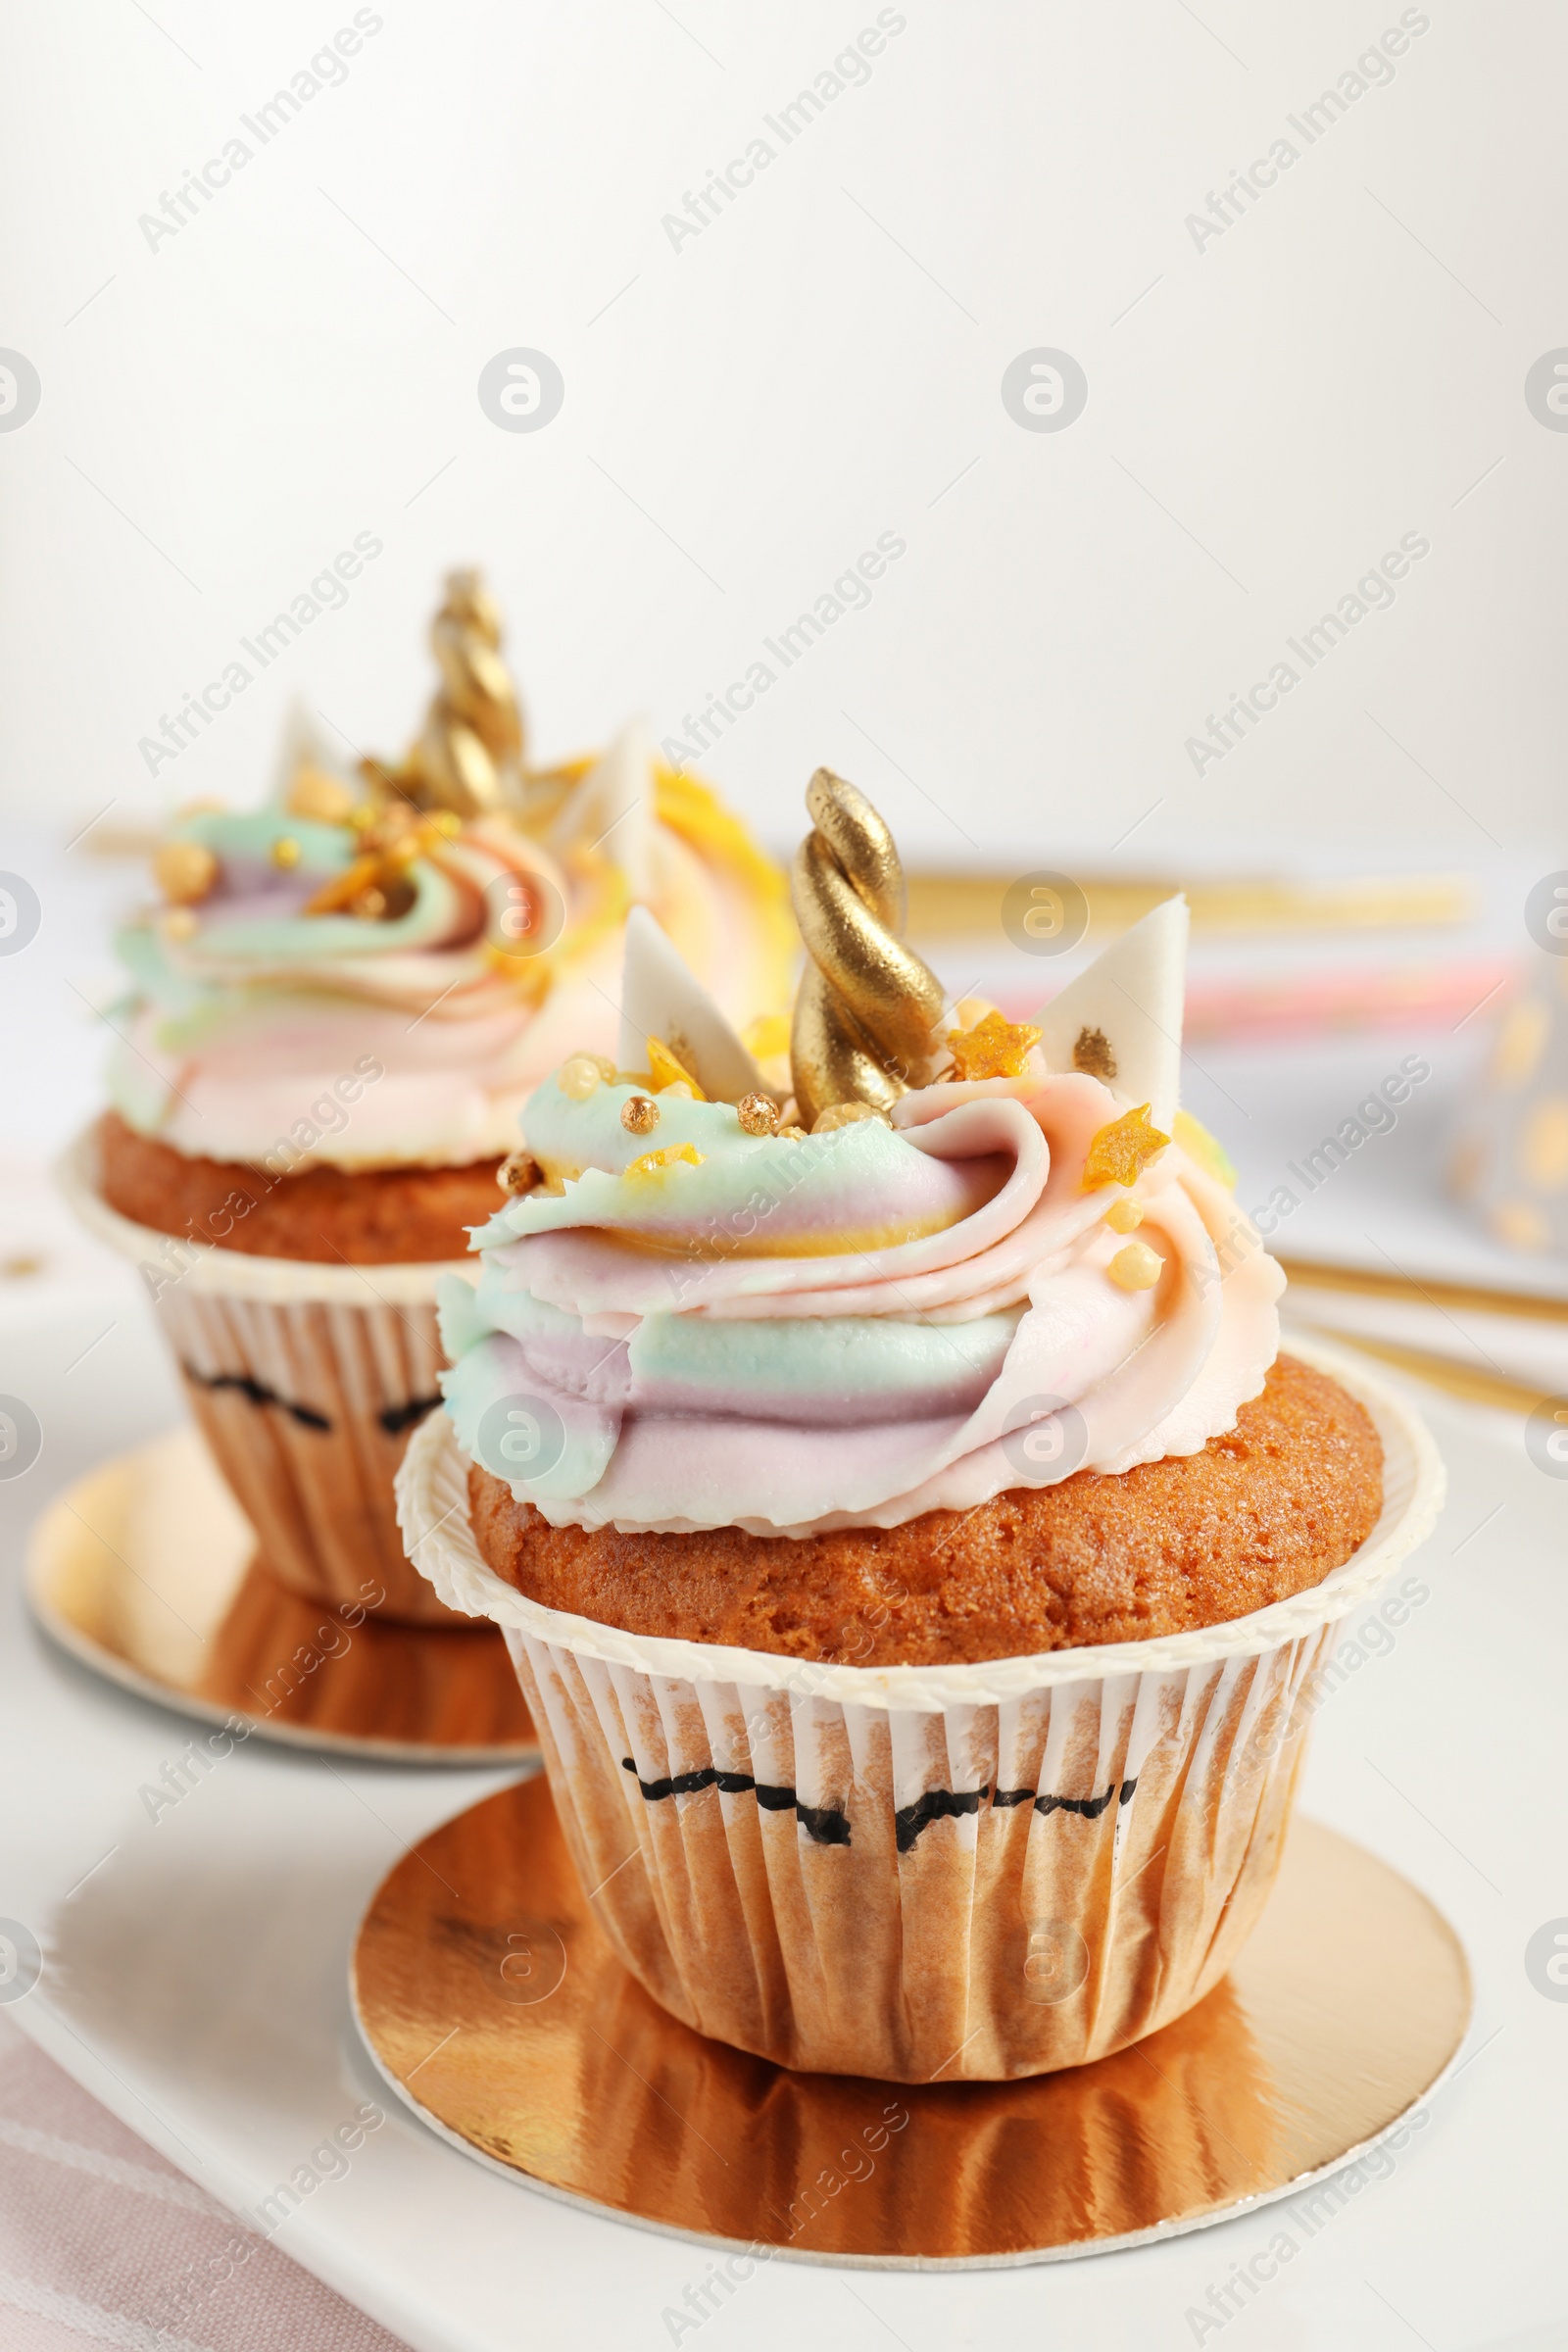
(300, 364)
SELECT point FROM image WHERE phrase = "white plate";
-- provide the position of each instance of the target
(197, 1986)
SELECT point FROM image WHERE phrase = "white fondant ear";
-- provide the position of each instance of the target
(1121, 1020)
(613, 803)
(661, 997)
(307, 743)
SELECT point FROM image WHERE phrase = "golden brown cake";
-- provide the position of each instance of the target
(1261, 1512)
(368, 1216)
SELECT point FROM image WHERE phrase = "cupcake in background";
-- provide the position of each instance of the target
(337, 1010)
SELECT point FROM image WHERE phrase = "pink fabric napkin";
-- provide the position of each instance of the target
(101, 2239)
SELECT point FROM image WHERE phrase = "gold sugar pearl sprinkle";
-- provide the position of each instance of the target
(323, 798)
(519, 1172)
(640, 1116)
(756, 1114)
(847, 1115)
(1137, 1267)
(179, 923)
(184, 871)
(285, 851)
(1124, 1216)
(579, 1077)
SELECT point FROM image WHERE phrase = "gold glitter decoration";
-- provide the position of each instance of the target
(867, 1004)
(375, 886)
(673, 1156)
(320, 798)
(1120, 1151)
(991, 1048)
(1124, 1216)
(579, 1076)
(640, 1116)
(285, 851)
(1092, 1055)
(847, 1115)
(757, 1114)
(1137, 1267)
(184, 871)
(468, 758)
(519, 1172)
(665, 1069)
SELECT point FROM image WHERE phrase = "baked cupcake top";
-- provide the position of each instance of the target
(455, 921)
(701, 1315)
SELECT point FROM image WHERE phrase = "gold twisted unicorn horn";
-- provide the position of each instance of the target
(469, 757)
(867, 1005)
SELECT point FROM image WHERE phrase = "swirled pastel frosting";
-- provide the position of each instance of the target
(793, 1334)
(247, 1007)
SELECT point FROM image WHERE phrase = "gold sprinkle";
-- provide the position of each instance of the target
(579, 1077)
(665, 1069)
(179, 923)
(757, 1114)
(519, 1172)
(448, 824)
(847, 1115)
(792, 1135)
(673, 1156)
(184, 871)
(324, 799)
(640, 1116)
(1124, 1216)
(285, 851)
(991, 1048)
(1120, 1151)
(1137, 1267)
(363, 816)
(1092, 1055)
(370, 906)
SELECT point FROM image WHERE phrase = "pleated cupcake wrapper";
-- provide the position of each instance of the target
(926, 1873)
(306, 1380)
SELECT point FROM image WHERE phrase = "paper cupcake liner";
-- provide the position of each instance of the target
(306, 1380)
(926, 1873)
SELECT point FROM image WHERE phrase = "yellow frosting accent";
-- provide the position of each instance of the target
(666, 1068)
(1209, 1154)
(652, 1163)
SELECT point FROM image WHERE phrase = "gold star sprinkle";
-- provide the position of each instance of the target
(1120, 1152)
(673, 1156)
(665, 1069)
(991, 1048)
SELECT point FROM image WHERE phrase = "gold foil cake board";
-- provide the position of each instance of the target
(144, 1570)
(493, 2004)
